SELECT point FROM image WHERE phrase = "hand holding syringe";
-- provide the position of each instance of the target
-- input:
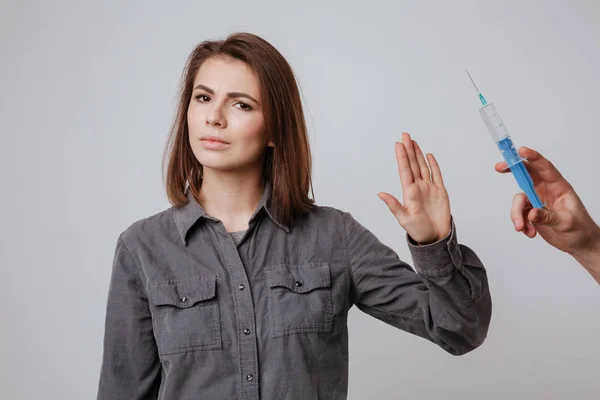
(505, 145)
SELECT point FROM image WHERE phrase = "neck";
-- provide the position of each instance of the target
(231, 196)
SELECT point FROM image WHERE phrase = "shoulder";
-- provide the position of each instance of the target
(324, 215)
(150, 228)
(326, 212)
(343, 221)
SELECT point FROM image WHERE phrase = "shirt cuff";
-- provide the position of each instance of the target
(436, 259)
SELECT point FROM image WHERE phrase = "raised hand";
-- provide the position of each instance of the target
(425, 210)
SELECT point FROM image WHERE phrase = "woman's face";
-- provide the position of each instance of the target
(225, 116)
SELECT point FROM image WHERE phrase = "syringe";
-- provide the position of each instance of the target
(496, 127)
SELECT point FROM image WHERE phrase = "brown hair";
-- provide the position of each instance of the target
(287, 166)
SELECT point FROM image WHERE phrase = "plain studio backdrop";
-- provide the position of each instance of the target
(88, 95)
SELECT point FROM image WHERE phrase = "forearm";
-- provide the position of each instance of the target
(447, 302)
(589, 257)
(457, 283)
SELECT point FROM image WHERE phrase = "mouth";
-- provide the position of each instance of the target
(214, 143)
(216, 139)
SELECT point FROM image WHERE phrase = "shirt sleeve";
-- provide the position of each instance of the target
(447, 300)
(130, 364)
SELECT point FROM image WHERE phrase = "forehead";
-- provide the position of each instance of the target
(228, 75)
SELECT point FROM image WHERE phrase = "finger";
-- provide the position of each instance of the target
(406, 175)
(502, 167)
(395, 206)
(517, 211)
(425, 172)
(542, 216)
(529, 230)
(538, 164)
(535, 176)
(412, 157)
(436, 172)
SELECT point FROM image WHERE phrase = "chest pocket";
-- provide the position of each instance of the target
(300, 299)
(186, 315)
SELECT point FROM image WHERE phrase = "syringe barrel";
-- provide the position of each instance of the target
(509, 153)
(499, 133)
(492, 121)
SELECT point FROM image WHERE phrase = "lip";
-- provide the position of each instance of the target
(213, 142)
(214, 138)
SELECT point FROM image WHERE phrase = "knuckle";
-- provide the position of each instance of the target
(568, 220)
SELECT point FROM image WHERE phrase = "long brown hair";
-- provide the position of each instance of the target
(287, 166)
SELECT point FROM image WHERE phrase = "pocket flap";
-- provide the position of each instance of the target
(300, 278)
(183, 293)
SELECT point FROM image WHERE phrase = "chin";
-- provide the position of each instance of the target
(224, 161)
(218, 162)
(217, 165)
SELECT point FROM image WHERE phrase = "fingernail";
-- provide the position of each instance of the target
(380, 197)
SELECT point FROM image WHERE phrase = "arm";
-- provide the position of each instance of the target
(447, 302)
(130, 365)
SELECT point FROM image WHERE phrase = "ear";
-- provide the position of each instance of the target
(270, 143)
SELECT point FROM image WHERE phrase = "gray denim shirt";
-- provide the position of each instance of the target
(190, 315)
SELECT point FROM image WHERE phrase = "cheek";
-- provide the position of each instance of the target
(252, 132)
(192, 119)
(194, 127)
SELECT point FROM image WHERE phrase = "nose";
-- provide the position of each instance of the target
(215, 117)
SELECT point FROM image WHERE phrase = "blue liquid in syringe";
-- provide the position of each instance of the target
(508, 151)
(519, 171)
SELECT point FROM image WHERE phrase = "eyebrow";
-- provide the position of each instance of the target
(230, 94)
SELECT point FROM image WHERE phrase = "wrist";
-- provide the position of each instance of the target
(590, 246)
(589, 255)
(439, 237)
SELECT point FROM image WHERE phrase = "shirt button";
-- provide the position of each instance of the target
(249, 377)
(241, 287)
(298, 284)
(247, 331)
(183, 299)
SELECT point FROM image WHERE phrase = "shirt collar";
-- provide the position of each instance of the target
(187, 215)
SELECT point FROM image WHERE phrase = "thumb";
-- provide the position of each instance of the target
(542, 216)
(394, 205)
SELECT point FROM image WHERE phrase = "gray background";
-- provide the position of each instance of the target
(88, 94)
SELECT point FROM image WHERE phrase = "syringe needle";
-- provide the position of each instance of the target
(472, 80)
(481, 98)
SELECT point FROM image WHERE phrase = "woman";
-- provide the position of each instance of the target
(242, 288)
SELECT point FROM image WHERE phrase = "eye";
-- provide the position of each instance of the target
(243, 106)
(202, 98)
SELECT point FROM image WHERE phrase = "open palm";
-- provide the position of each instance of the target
(425, 211)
